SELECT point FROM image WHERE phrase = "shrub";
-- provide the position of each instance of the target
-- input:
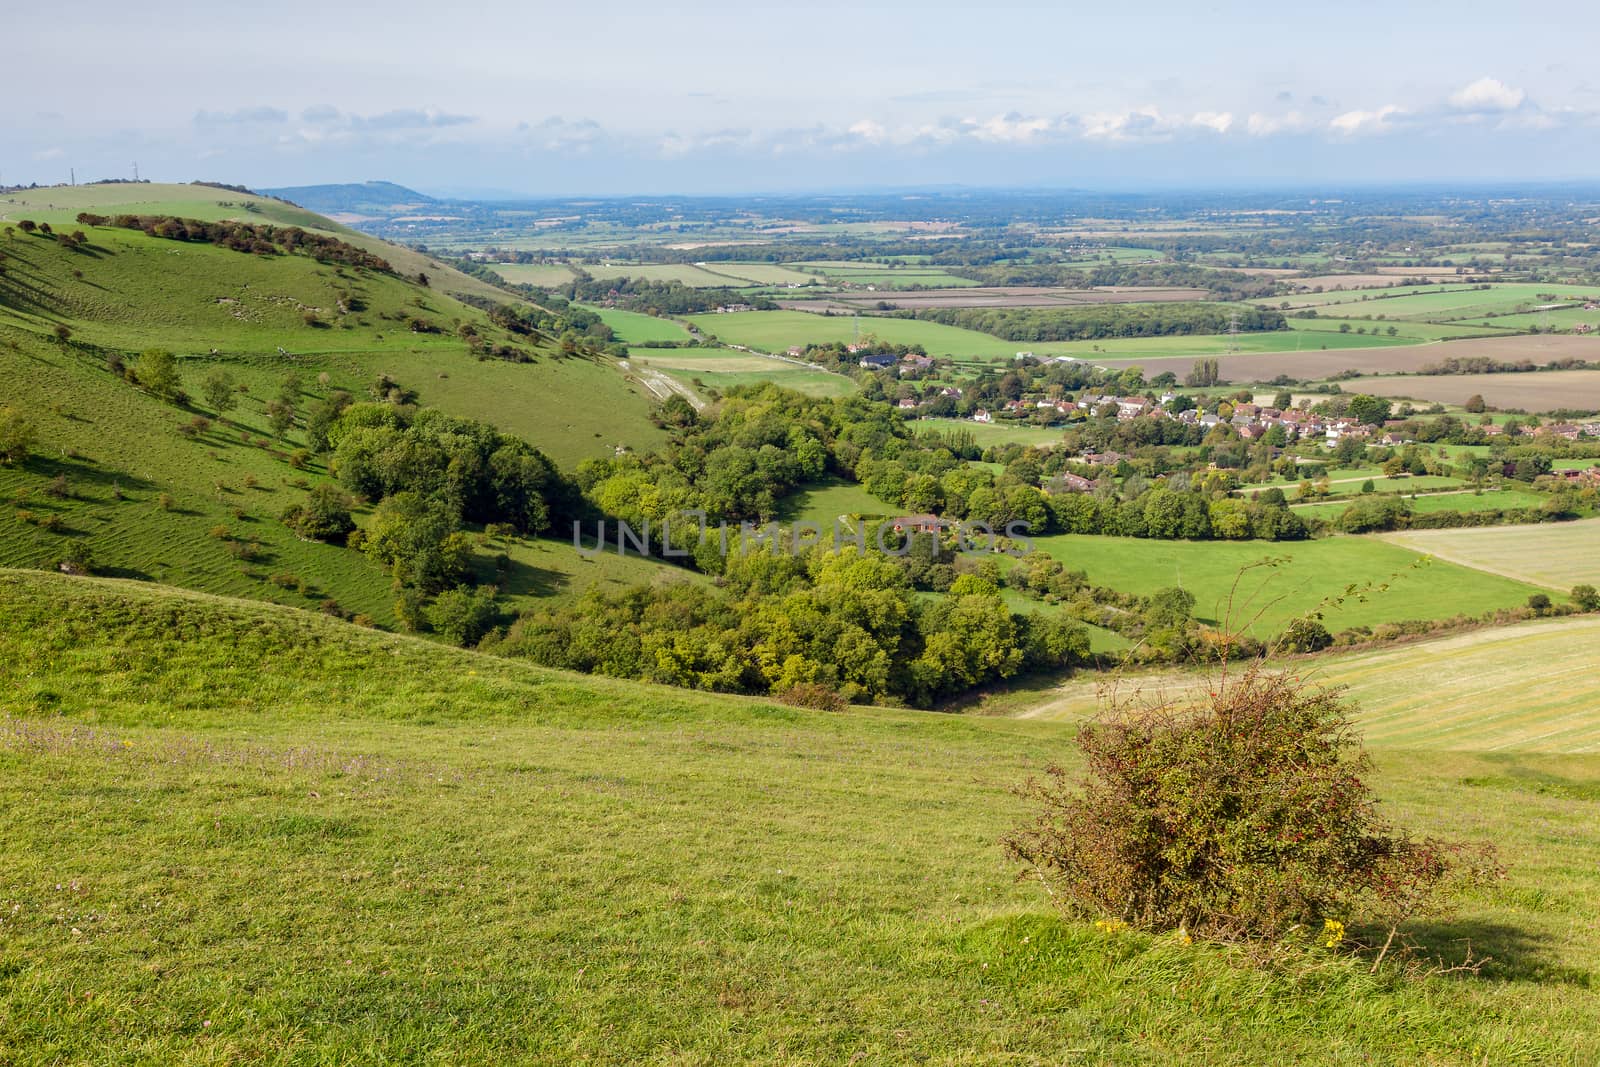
(58, 488)
(16, 437)
(1240, 816)
(1305, 635)
(285, 580)
(325, 515)
(1586, 598)
(1539, 602)
(462, 616)
(165, 502)
(812, 695)
(77, 559)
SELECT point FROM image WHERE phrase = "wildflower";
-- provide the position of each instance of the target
(1332, 933)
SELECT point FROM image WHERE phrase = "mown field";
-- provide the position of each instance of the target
(1515, 689)
(991, 433)
(1309, 573)
(722, 369)
(273, 837)
(1556, 555)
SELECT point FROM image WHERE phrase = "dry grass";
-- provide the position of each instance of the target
(1557, 556)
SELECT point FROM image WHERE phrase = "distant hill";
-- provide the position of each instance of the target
(355, 198)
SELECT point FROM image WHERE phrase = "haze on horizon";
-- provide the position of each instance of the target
(633, 98)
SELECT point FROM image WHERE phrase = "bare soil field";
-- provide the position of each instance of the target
(1407, 359)
(1012, 296)
(1530, 391)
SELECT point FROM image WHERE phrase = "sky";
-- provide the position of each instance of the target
(624, 98)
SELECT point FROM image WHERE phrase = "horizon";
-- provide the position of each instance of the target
(722, 101)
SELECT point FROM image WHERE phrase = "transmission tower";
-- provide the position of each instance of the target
(1233, 334)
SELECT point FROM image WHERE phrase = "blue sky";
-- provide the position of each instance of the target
(623, 98)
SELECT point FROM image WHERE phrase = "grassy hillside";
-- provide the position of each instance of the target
(60, 204)
(154, 502)
(274, 837)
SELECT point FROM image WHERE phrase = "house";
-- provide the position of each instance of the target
(1582, 327)
(918, 524)
(951, 391)
(1559, 429)
(982, 415)
(1210, 419)
(1016, 407)
(1494, 429)
(878, 361)
(797, 350)
(1102, 459)
(1131, 407)
(907, 403)
(1071, 483)
(1251, 432)
(911, 359)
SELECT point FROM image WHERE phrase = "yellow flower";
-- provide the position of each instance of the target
(1332, 933)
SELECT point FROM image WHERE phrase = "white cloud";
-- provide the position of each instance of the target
(1220, 121)
(1487, 94)
(1355, 123)
(1260, 125)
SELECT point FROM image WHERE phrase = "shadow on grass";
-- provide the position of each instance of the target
(78, 471)
(1513, 954)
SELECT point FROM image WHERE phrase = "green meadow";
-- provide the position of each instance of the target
(274, 837)
(1229, 588)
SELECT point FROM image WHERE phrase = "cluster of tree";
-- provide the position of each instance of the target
(1102, 321)
(1490, 365)
(475, 472)
(846, 620)
(255, 238)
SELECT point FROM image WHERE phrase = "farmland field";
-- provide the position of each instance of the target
(1517, 689)
(1309, 364)
(686, 273)
(1528, 390)
(1555, 555)
(1313, 571)
(630, 327)
(540, 274)
(1488, 500)
(723, 369)
(991, 433)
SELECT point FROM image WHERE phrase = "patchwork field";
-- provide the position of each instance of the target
(1309, 574)
(373, 848)
(1555, 555)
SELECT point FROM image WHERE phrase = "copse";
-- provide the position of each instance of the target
(380, 450)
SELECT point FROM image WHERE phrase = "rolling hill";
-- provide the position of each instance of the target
(272, 836)
(158, 495)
